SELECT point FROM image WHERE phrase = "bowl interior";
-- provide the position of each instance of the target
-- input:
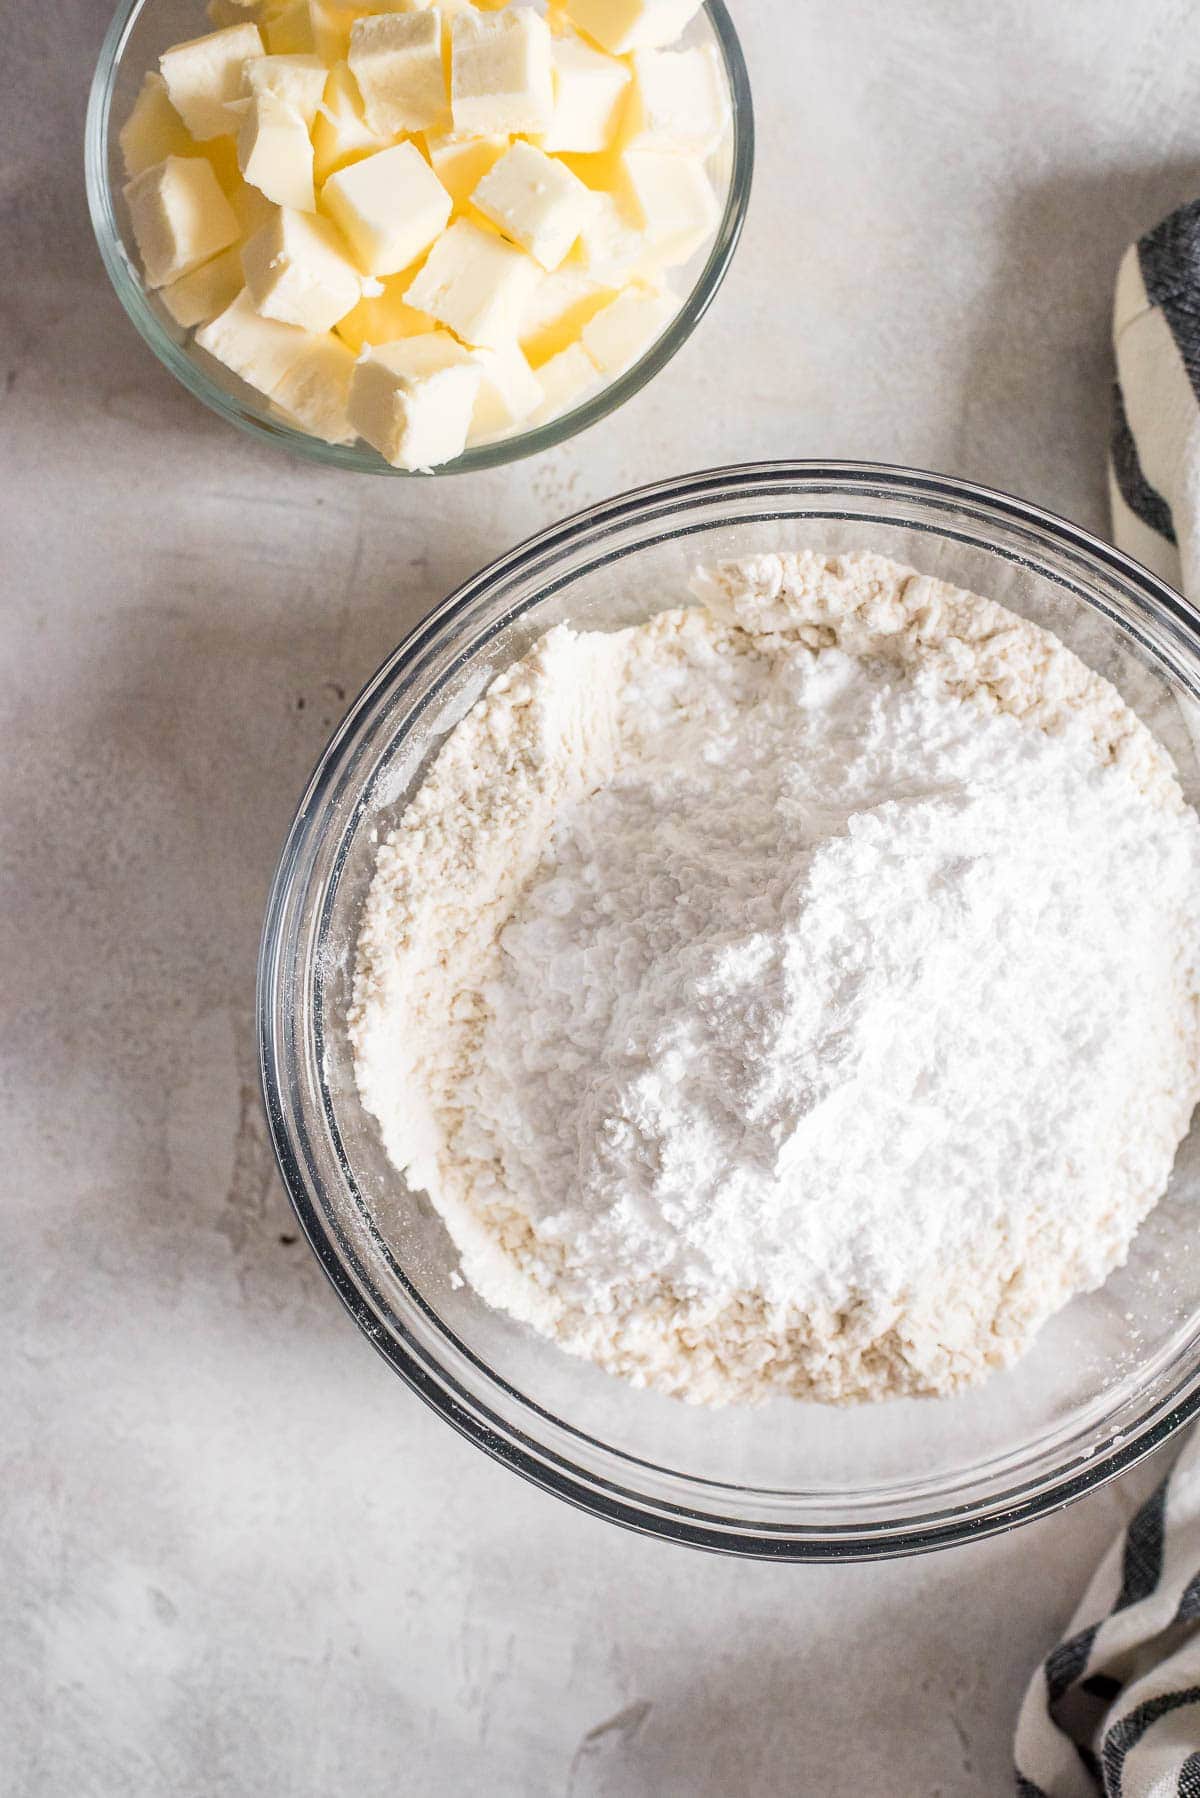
(143, 29)
(1104, 1376)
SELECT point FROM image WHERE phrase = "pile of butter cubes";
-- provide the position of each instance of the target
(426, 225)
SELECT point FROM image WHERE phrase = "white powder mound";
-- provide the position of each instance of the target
(797, 994)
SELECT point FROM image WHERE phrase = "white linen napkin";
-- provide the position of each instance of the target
(1115, 1708)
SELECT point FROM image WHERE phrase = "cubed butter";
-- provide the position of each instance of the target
(557, 311)
(331, 25)
(396, 59)
(251, 208)
(601, 171)
(180, 217)
(509, 392)
(288, 30)
(622, 331)
(154, 130)
(385, 317)
(535, 201)
(677, 102)
(414, 400)
(589, 97)
(611, 248)
(390, 207)
(221, 152)
(299, 81)
(475, 283)
(298, 270)
(275, 153)
(460, 163)
(341, 134)
(315, 392)
(567, 380)
(619, 26)
(226, 12)
(502, 73)
(204, 74)
(260, 350)
(195, 298)
(672, 199)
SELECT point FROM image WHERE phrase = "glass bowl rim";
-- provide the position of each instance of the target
(542, 1464)
(179, 361)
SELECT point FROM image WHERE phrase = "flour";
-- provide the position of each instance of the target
(794, 994)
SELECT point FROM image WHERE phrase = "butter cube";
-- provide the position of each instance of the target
(299, 81)
(390, 206)
(252, 209)
(195, 298)
(678, 102)
(298, 271)
(154, 130)
(204, 74)
(330, 25)
(611, 249)
(221, 152)
(509, 392)
(227, 12)
(460, 163)
(385, 317)
(501, 73)
(672, 199)
(557, 311)
(414, 401)
(288, 29)
(589, 97)
(180, 217)
(620, 26)
(341, 134)
(535, 201)
(314, 394)
(275, 153)
(260, 350)
(618, 335)
(567, 380)
(396, 58)
(475, 283)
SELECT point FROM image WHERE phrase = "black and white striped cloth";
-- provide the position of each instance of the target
(1155, 462)
(1115, 1708)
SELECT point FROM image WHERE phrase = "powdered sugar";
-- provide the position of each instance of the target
(793, 995)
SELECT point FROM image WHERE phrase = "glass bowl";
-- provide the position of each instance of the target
(1108, 1379)
(139, 33)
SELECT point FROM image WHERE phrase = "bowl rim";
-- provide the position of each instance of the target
(541, 1464)
(257, 422)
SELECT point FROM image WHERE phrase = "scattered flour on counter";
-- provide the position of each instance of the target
(794, 994)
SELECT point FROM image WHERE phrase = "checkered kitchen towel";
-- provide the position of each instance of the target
(1115, 1708)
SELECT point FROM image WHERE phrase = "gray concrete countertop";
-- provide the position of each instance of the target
(239, 1557)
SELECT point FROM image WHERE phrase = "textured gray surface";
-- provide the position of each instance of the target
(238, 1557)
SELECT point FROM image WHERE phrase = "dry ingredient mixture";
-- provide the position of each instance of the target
(796, 993)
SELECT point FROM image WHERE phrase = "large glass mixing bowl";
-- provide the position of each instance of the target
(1108, 1379)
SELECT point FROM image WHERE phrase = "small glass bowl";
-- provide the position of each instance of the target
(139, 33)
(1109, 1378)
